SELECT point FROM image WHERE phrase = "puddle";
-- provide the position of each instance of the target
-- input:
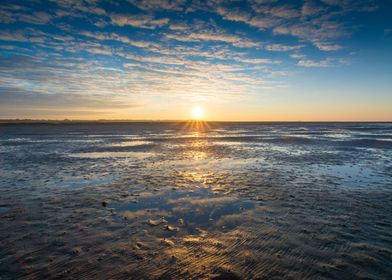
(130, 144)
(352, 175)
(190, 209)
(4, 209)
(136, 155)
(199, 162)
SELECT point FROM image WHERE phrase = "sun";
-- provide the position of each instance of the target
(197, 113)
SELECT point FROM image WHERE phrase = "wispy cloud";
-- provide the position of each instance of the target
(328, 46)
(328, 62)
(282, 48)
(141, 21)
(158, 5)
(104, 36)
(213, 36)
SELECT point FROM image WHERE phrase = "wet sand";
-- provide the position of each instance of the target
(179, 201)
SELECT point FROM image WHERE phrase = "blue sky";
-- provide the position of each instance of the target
(239, 60)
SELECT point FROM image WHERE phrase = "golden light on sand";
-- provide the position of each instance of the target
(197, 113)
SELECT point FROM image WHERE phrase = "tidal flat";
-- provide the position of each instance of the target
(196, 200)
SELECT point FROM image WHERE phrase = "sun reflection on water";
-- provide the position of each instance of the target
(196, 126)
(197, 148)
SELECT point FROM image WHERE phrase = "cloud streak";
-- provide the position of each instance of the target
(141, 21)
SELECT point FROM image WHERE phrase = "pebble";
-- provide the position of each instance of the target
(156, 222)
(171, 228)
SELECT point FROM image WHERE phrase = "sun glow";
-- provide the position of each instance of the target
(197, 113)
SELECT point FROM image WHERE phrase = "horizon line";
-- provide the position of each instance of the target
(26, 121)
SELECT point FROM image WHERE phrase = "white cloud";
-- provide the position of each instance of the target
(178, 26)
(328, 62)
(233, 14)
(312, 63)
(258, 60)
(101, 51)
(264, 22)
(327, 46)
(282, 48)
(141, 21)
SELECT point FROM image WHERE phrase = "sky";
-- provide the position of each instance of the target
(248, 60)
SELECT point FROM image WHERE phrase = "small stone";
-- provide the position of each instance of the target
(156, 222)
(171, 228)
(76, 251)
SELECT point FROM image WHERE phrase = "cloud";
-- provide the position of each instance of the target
(313, 21)
(10, 96)
(159, 76)
(6, 16)
(100, 51)
(233, 14)
(282, 48)
(103, 36)
(328, 62)
(78, 8)
(158, 5)
(264, 22)
(141, 21)
(178, 26)
(297, 56)
(354, 5)
(284, 11)
(310, 8)
(311, 63)
(328, 46)
(16, 13)
(51, 75)
(212, 36)
(12, 36)
(35, 18)
(314, 31)
(153, 59)
(258, 60)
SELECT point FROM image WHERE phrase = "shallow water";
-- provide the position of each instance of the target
(187, 201)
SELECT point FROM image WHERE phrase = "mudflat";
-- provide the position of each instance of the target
(196, 200)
